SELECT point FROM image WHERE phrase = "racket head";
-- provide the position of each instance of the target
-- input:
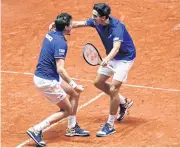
(91, 54)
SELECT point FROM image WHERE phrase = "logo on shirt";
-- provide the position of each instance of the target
(61, 51)
(50, 38)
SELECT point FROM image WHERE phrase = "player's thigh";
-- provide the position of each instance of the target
(51, 89)
(101, 78)
(115, 84)
(65, 105)
(122, 69)
(104, 70)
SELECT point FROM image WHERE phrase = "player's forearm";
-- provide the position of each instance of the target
(112, 54)
(114, 51)
(76, 24)
(63, 73)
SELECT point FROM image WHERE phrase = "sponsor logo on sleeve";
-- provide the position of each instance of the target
(61, 52)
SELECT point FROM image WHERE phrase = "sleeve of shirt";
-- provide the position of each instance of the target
(90, 22)
(60, 49)
(118, 32)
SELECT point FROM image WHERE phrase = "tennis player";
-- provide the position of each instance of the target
(121, 53)
(53, 81)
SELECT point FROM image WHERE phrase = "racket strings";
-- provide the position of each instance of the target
(91, 55)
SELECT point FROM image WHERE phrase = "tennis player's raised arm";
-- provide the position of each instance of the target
(87, 23)
(76, 24)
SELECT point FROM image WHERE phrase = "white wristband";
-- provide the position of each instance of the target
(73, 84)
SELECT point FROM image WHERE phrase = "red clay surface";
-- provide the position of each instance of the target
(154, 118)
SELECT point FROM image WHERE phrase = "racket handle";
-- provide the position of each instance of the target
(111, 68)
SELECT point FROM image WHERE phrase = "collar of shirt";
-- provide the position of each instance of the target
(60, 33)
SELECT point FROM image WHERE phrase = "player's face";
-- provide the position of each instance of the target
(97, 18)
(67, 29)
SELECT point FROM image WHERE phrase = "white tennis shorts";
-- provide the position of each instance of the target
(51, 89)
(121, 67)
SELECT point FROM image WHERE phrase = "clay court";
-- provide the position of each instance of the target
(153, 82)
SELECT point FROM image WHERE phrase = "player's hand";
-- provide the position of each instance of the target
(79, 88)
(122, 17)
(105, 61)
(52, 26)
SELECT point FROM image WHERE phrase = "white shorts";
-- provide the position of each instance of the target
(121, 67)
(51, 89)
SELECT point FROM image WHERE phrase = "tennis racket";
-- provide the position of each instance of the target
(92, 56)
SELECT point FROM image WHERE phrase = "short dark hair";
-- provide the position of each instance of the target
(103, 9)
(62, 20)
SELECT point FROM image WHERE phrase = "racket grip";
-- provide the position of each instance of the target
(111, 68)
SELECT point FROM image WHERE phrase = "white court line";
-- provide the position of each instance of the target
(82, 106)
(86, 80)
(137, 86)
(25, 73)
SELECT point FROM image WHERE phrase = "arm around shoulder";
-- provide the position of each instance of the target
(76, 24)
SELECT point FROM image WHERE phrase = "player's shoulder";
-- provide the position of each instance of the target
(114, 21)
(90, 21)
(57, 36)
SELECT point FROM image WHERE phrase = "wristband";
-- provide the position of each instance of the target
(73, 84)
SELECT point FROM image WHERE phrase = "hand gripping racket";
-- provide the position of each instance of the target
(92, 56)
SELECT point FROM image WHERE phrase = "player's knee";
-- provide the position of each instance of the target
(66, 107)
(113, 90)
(74, 94)
(66, 112)
(69, 110)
